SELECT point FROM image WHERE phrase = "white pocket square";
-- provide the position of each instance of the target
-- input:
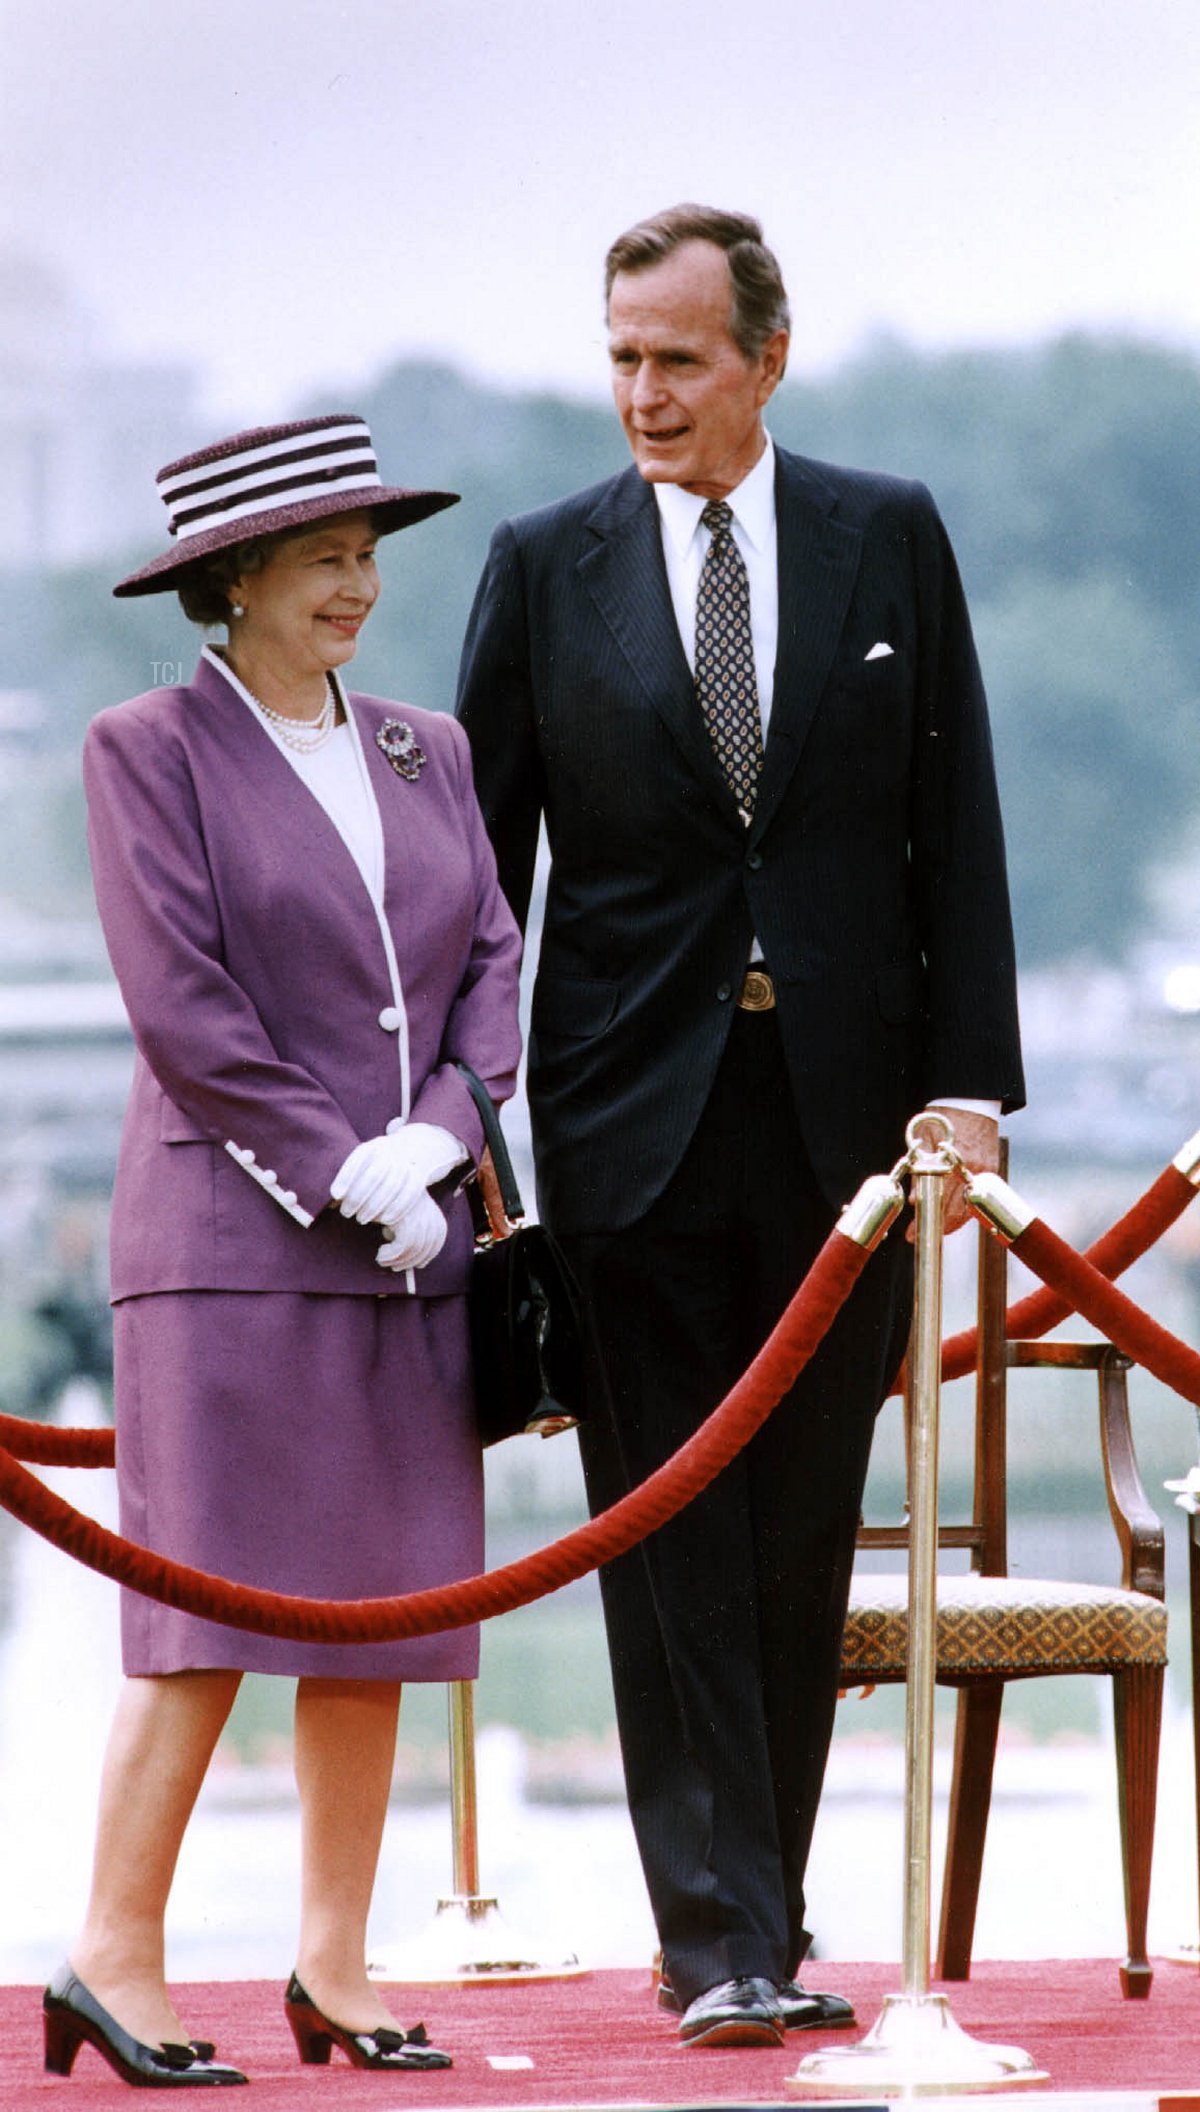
(881, 651)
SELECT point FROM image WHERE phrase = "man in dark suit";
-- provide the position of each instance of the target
(741, 690)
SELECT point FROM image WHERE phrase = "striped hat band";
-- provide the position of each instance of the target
(274, 480)
(313, 464)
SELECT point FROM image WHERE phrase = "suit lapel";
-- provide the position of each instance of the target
(818, 560)
(626, 577)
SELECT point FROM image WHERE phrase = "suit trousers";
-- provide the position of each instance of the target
(724, 1628)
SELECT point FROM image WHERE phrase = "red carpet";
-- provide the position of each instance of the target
(600, 2041)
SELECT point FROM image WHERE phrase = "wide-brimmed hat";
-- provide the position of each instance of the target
(270, 478)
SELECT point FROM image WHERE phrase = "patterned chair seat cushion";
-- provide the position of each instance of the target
(1004, 1624)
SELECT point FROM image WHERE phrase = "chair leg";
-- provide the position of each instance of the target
(976, 1727)
(1137, 1712)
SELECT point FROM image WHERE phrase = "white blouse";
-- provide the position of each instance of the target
(335, 774)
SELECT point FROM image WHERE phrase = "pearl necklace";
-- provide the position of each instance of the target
(304, 735)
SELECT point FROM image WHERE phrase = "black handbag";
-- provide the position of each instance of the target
(524, 1314)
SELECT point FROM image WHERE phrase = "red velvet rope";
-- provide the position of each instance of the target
(1116, 1316)
(48, 1446)
(745, 1408)
(1115, 1251)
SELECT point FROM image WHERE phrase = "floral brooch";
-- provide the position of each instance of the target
(399, 743)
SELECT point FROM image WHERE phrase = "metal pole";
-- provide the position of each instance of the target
(928, 1193)
(468, 1941)
(915, 2047)
(464, 1808)
(1187, 1495)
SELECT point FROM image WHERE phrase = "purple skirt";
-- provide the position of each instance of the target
(298, 1443)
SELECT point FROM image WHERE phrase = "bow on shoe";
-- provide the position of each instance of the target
(173, 2056)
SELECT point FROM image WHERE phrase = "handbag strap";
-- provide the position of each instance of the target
(510, 1194)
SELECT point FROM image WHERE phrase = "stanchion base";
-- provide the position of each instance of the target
(469, 1943)
(914, 2049)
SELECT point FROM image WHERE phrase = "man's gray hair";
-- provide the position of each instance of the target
(760, 302)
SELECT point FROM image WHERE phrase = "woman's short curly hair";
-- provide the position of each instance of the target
(204, 589)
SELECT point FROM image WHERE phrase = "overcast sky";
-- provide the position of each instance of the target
(295, 192)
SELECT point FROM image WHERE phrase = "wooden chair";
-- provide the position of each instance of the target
(992, 1628)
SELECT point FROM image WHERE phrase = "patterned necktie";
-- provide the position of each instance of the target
(725, 681)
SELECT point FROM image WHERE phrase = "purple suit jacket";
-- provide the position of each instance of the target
(278, 1019)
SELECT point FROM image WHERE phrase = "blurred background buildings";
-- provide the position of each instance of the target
(70, 418)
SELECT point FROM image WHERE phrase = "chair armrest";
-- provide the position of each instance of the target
(1061, 1356)
(1138, 1528)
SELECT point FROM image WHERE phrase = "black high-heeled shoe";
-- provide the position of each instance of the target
(72, 2015)
(316, 2035)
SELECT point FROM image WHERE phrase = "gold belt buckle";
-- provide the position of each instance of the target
(757, 992)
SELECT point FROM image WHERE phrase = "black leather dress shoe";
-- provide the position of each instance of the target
(805, 2010)
(72, 2017)
(741, 2012)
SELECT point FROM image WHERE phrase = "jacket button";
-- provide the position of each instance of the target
(724, 993)
(389, 1019)
(754, 861)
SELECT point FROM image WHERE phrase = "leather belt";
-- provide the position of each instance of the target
(757, 993)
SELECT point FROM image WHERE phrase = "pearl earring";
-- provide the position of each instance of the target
(236, 609)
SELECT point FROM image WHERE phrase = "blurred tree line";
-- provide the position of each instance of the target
(1069, 478)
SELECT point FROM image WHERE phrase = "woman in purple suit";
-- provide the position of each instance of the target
(302, 911)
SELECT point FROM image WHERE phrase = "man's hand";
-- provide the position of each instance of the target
(976, 1139)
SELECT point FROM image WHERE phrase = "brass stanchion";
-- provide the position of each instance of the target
(1187, 1495)
(915, 2047)
(468, 1941)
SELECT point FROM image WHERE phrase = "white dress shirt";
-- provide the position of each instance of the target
(685, 543)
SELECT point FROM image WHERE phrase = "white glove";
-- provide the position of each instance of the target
(384, 1176)
(417, 1241)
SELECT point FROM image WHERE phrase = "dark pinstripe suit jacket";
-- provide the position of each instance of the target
(873, 872)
